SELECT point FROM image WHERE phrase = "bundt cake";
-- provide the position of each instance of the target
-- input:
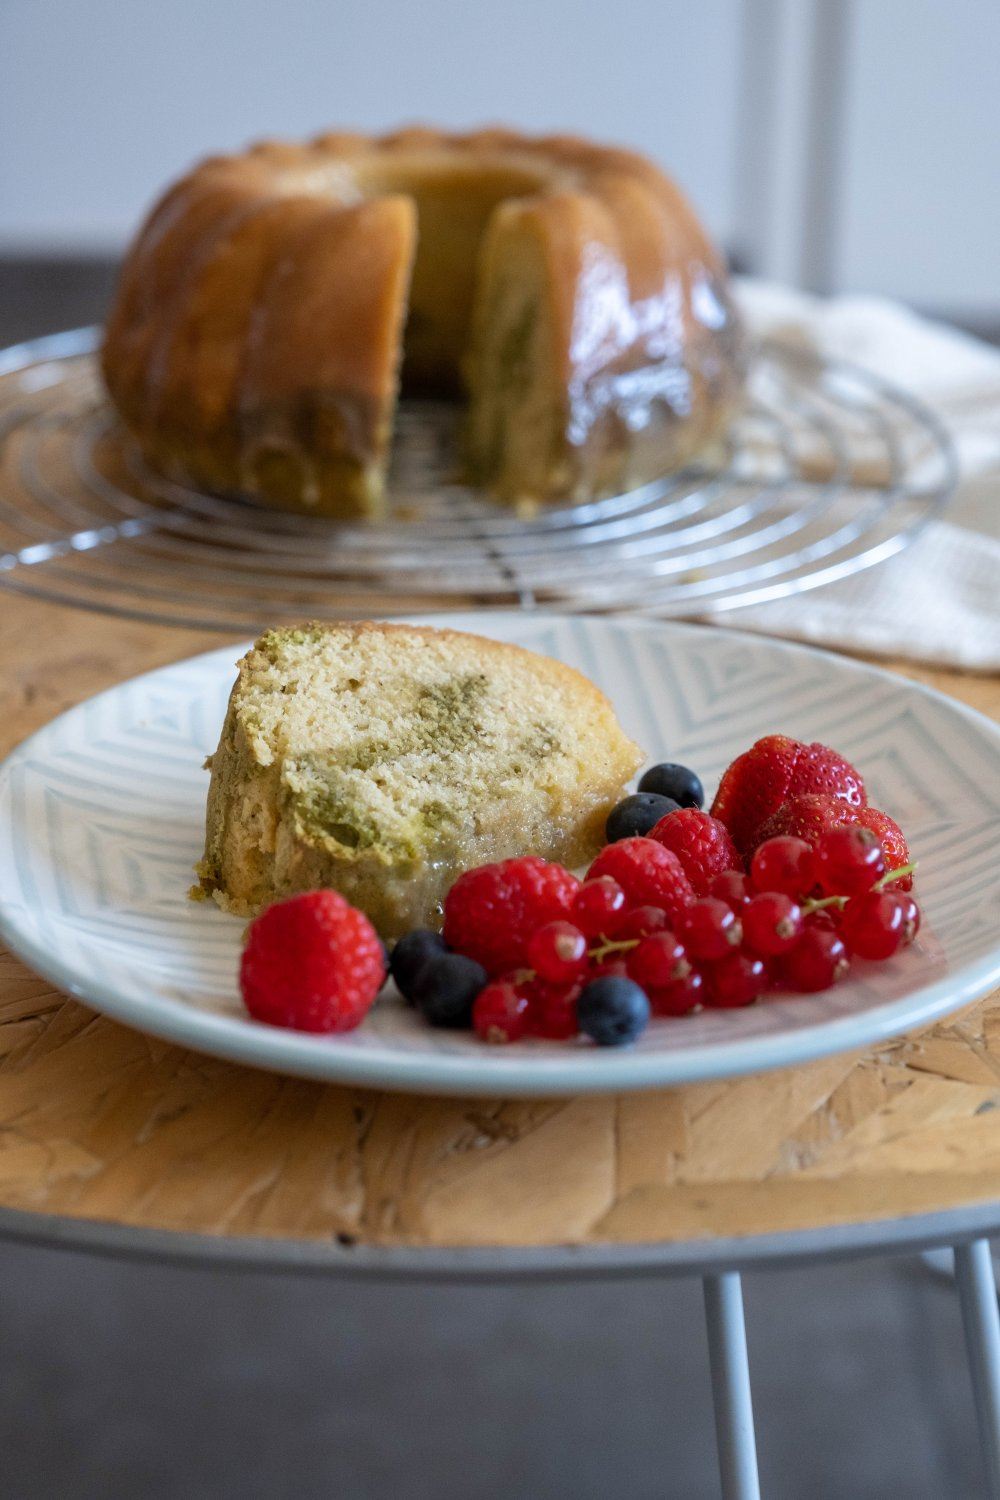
(274, 301)
(383, 760)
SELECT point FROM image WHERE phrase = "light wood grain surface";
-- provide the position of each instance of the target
(100, 1122)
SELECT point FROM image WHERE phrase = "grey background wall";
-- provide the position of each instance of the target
(842, 144)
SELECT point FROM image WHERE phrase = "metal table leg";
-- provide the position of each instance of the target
(981, 1319)
(727, 1353)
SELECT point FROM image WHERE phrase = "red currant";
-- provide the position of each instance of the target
(783, 864)
(732, 887)
(658, 961)
(553, 1010)
(848, 861)
(500, 1013)
(816, 962)
(772, 923)
(875, 923)
(911, 917)
(596, 904)
(709, 928)
(640, 922)
(557, 952)
(613, 967)
(735, 980)
(679, 997)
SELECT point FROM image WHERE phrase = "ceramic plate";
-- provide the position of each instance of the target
(101, 822)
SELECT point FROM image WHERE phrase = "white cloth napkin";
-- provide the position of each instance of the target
(939, 600)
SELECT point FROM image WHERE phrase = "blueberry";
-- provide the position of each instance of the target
(612, 1011)
(636, 815)
(410, 954)
(678, 782)
(445, 987)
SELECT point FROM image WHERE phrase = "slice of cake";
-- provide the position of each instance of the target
(383, 760)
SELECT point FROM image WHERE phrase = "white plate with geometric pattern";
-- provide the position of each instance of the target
(101, 817)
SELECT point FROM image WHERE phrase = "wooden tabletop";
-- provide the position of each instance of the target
(100, 1123)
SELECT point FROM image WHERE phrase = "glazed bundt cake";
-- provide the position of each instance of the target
(275, 301)
(383, 760)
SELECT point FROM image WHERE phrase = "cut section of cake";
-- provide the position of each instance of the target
(383, 760)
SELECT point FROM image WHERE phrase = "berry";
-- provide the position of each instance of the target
(816, 962)
(636, 815)
(735, 980)
(848, 860)
(640, 922)
(709, 928)
(445, 989)
(648, 874)
(612, 1011)
(774, 769)
(701, 843)
(596, 905)
(500, 1013)
(890, 836)
(658, 961)
(772, 923)
(680, 997)
(613, 967)
(875, 923)
(911, 916)
(733, 888)
(553, 1010)
(783, 864)
(810, 817)
(670, 780)
(410, 954)
(313, 963)
(491, 912)
(557, 952)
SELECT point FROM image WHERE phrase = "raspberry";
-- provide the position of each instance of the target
(313, 963)
(772, 771)
(500, 1013)
(810, 817)
(491, 912)
(648, 874)
(701, 843)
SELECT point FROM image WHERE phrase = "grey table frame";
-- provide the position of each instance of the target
(719, 1264)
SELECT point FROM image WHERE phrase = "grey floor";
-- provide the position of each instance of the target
(130, 1381)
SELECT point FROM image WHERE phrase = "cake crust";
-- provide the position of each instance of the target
(384, 759)
(255, 343)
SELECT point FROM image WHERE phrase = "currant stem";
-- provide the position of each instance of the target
(891, 875)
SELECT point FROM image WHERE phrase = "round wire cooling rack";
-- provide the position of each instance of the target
(827, 470)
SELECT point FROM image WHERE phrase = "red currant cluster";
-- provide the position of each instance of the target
(793, 923)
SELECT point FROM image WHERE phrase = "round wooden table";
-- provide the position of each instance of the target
(113, 1140)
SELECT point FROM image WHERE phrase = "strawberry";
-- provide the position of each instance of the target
(811, 816)
(769, 773)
